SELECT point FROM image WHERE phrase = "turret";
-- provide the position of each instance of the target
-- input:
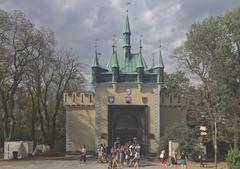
(127, 38)
(140, 67)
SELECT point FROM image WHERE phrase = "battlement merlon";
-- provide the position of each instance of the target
(170, 99)
(86, 98)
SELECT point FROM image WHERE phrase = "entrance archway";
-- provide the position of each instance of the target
(127, 122)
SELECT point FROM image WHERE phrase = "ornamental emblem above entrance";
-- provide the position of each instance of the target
(129, 91)
(111, 99)
(128, 99)
(144, 100)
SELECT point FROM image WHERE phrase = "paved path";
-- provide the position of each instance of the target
(75, 164)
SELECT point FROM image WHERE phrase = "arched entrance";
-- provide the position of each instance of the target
(127, 122)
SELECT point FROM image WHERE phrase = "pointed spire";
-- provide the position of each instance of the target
(140, 59)
(127, 25)
(160, 60)
(153, 60)
(113, 43)
(95, 57)
(127, 38)
(115, 60)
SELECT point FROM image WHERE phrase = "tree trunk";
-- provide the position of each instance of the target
(33, 121)
(236, 131)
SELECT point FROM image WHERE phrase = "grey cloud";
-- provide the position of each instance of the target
(77, 23)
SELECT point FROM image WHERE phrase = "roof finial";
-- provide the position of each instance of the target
(140, 43)
(160, 44)
(113, 42)
(152, 59)
(96, 41)
(127, 4)
(160, 60)
(95, 58)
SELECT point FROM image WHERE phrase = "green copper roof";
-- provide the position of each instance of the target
(115, 60)
(126, 25)
(140, 61)
(95, 60)
(160, 60)
(127, 67)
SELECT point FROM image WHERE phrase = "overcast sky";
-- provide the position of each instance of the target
(77, 23)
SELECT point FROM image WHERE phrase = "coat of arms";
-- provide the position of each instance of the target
(111, 99)
(144, 100)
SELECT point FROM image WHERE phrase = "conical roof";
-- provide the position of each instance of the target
(95, 60)
(126, 25)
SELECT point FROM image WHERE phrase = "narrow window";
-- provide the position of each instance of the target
(90, 98)
(162, 98)
(66, 98)
(170, 98)
(179, 99)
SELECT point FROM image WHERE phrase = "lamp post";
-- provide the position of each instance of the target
(216, 120)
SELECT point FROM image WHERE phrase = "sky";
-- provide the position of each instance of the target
(78, 23)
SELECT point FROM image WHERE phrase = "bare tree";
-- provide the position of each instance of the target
(17, 45)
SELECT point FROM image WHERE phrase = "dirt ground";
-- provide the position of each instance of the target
(75, 164)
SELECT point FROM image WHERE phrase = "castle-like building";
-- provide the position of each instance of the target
(128, 102)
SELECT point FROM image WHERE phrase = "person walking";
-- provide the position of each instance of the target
(183, 160)
(136, 159)
(163, 158)
(83, 153)
(173, 159)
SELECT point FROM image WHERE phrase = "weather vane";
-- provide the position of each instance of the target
(160, 44)
(96, 41)
(127, 4)
(96, 45)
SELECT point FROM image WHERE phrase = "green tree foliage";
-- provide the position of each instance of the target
(211, 52)
(233, 159)
(177, 82)
(186, 138)
(33, 77)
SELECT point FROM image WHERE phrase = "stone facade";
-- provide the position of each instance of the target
(87, 121)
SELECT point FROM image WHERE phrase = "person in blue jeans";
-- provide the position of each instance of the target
(183, 160)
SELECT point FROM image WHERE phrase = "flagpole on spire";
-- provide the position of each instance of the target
(96, 45)
(140, 43)
(127, 4)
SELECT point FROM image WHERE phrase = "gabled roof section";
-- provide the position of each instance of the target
(127, 67)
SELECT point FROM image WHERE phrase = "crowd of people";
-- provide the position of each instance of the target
(173, 159)
(129, 155)
(120, 155)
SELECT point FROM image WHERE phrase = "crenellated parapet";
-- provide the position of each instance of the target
(84, 100)
(170, 99)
